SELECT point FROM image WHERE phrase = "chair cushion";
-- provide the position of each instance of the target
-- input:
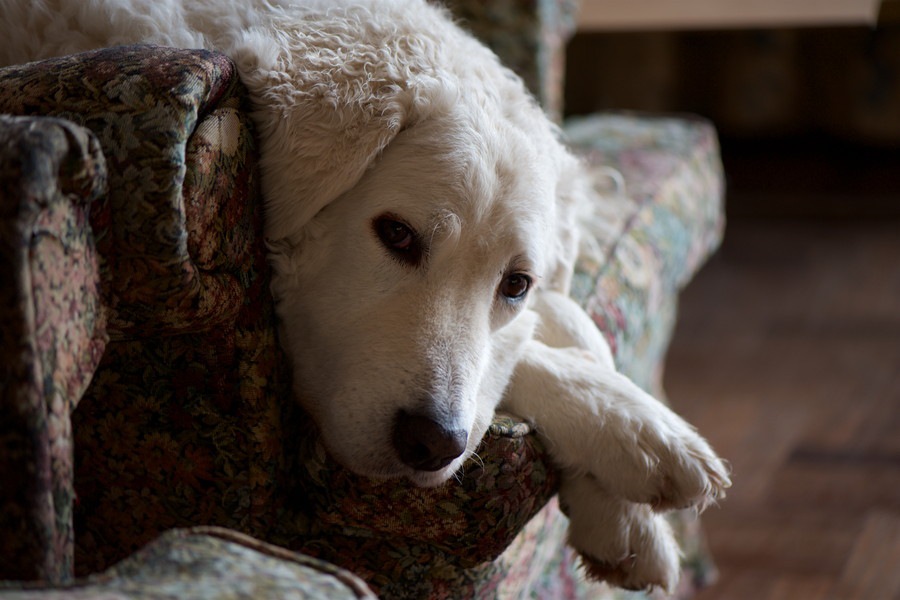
(208, 563)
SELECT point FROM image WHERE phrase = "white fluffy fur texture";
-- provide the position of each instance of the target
(374, 111)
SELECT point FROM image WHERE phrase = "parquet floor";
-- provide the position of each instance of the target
(787, 357)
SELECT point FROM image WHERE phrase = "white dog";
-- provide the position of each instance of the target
(422, 221)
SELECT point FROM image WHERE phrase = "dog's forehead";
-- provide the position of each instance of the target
(485, 190)
(481, 174)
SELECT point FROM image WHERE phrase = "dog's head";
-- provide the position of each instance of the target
(416, 196)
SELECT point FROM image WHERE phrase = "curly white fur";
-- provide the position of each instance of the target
(385, 110)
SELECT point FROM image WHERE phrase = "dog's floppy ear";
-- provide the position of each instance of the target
(326, 105)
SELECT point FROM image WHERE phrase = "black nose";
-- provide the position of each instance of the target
(424, 444)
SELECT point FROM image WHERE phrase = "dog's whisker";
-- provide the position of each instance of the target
(477, 458)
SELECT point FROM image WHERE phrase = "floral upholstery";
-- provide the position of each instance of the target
(529, 36)
(51, 333)
(411, 542)
(651, 236)
(208, 563)
(180, 425)
(188, 420)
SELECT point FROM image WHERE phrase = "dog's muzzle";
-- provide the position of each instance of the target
(425, 444)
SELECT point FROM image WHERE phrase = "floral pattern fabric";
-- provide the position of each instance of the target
(662, 187)
(530, 38)
(209, 563)
(51, 333)
(181, 424)
(411, 542)
(144, 111)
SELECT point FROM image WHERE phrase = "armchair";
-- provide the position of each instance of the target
(188, 419)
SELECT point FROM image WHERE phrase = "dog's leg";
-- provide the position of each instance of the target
(595, 420)
(623, 453)
(620, 542)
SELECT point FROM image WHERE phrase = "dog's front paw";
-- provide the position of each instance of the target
(693, 477)
(601, 423)
(639, 449)
(680, 469)
(624, 544)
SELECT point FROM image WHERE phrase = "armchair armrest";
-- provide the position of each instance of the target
(52, 333)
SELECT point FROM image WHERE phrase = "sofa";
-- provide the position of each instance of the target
(149, 443)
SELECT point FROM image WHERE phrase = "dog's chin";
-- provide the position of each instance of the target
(430, 479)
(423, 479)
(391, 468)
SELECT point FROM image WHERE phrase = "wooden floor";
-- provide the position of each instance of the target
(787, 358)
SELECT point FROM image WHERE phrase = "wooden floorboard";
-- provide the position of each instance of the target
(873, 567)
(787, 357)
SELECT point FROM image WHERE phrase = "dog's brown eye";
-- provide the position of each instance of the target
(394, 234)
(515, 286)
(399, 239)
